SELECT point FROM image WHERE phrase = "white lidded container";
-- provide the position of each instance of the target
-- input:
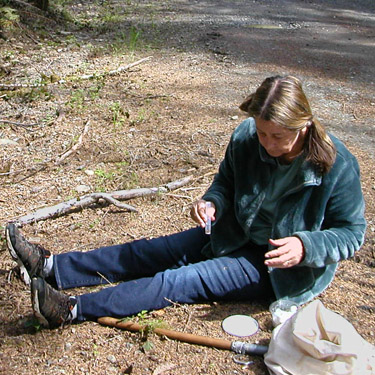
(282, 310)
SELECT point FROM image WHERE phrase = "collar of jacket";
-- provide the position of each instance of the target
(308, 174)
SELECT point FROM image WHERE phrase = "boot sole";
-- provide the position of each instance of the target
(23, 271)
(35, 304)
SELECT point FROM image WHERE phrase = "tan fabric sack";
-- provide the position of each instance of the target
(318, 341)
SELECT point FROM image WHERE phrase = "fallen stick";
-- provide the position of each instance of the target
(77, 204)
(76, 146)
(16, 86)
(115, 71)
(235, 346)
(17, 123)
(127, 67)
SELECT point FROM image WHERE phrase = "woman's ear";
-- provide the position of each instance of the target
(246, 103)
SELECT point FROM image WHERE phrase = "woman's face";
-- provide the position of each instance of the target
(278, 141)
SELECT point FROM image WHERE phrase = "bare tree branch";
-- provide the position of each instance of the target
(17, 123)
(108, 198)
(77, 204)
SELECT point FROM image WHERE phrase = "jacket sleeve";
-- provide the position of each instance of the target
(221, 191)
(343, 228)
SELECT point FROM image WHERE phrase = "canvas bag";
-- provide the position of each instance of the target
(317, 341)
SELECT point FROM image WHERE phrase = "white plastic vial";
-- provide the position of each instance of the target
(207, 228)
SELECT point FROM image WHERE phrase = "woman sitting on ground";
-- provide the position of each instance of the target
(286, 207)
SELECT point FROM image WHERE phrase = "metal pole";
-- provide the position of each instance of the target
(236, 346)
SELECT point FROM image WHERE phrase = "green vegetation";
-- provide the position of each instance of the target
(103, 178)
(133, 39)
(94, 90)
(59, 9)
(108, 18)
(104, 175)
(144, 320)
(119, 115)
(77, 100)
(148, 324)
(34, 324)
(30, 94)
(82, 97)
(79, 89)
(8, 17)
(118, 177)
(126, 41)
(94, 223)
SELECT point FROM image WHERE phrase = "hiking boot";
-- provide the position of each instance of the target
(51, 307)
(30, 257)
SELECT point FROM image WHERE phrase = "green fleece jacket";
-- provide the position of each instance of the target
(325, 211)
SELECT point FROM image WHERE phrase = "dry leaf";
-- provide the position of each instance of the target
(164, 367)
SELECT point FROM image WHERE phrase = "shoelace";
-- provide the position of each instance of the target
(43, 254)
(68, 305)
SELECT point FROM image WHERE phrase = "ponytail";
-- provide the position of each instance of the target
(320, 149)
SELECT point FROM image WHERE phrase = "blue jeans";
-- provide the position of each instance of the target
(155, 272)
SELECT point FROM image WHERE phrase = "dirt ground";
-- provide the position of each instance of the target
(166, 118)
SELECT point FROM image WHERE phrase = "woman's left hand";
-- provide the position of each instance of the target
(289, 252)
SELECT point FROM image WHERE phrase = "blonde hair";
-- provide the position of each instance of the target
(282, 101)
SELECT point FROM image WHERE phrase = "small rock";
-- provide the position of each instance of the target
(111, 358)
(82, 189)
(234, 118)
(89, 172)
(68, 346)
(50, 362)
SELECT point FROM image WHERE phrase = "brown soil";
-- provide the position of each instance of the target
(164, 119)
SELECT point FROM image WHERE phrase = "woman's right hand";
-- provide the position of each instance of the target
(198, 212)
